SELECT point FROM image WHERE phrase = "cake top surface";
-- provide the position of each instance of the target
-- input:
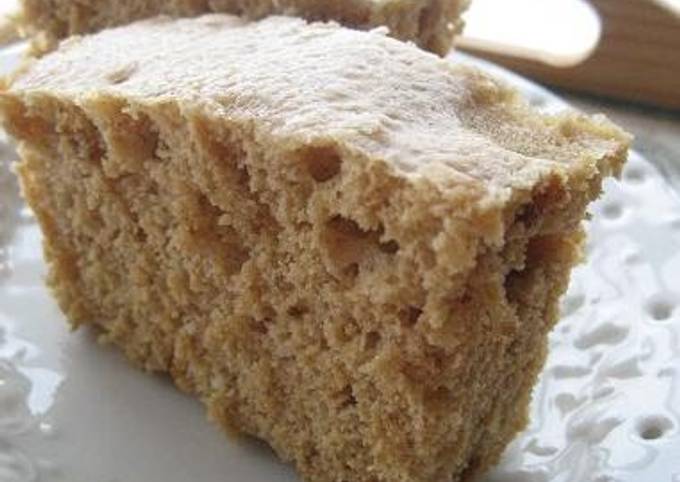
(424, 116)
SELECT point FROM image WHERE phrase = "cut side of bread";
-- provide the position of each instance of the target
(431, 24)
(8, 24)
(345, 246)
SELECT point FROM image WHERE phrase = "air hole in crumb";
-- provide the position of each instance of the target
(547, 198)
(351, 401)
(209, 235)
(660, 309)
(296, 311)
(260, 326)
(346, 398)
(311, 455)
(347, 228)
(372, 340)
(347, 245)
(80, 138)
(439, 396)
(225, 152)
(390, 247)
(323, 163)
(351, 270)
(514, 286)
(517, 283)
(410, 315)
(140, 235)
(654, 427)
(528, 216)
(200, 213)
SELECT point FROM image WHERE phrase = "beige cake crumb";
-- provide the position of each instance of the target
(8, 26)
(431, 24)
(343, 245)
(8, 31)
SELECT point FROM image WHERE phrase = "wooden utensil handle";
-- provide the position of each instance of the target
(637, 57)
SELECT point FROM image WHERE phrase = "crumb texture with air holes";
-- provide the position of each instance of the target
(359, 267)
(431, 24)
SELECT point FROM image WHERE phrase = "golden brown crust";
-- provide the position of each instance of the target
(365, 281)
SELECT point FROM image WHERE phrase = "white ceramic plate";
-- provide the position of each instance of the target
(607, 407)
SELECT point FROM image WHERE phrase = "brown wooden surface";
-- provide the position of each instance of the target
(637, 58)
